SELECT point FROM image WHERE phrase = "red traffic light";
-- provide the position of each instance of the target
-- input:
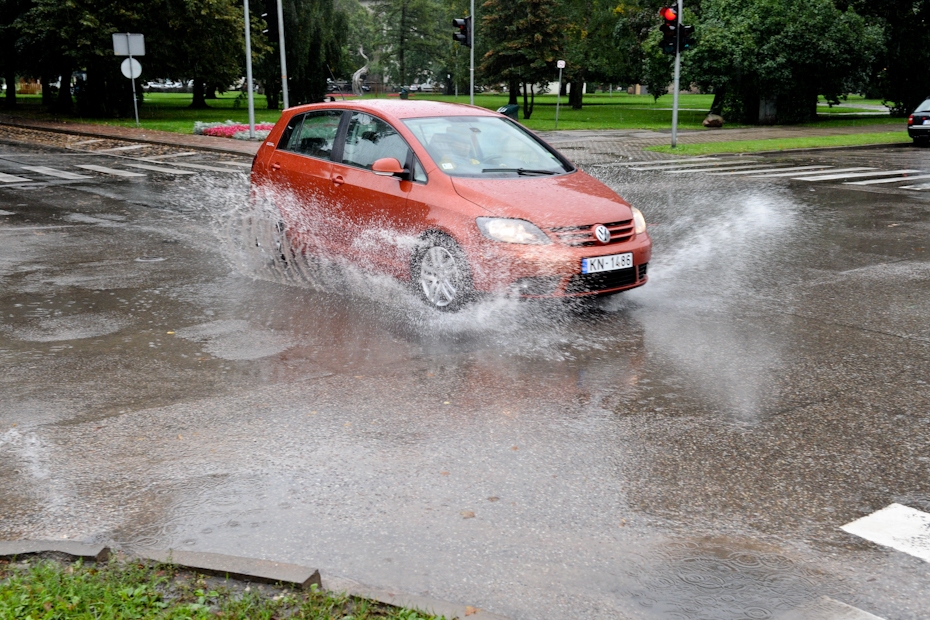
(668, 14)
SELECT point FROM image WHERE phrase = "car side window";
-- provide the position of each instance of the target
(315, 135)
(369, 139)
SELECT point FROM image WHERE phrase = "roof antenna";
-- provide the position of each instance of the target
(334, 81)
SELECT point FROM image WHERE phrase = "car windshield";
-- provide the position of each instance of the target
(484, 146)
(924, 107)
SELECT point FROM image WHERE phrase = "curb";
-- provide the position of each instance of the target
(246, 569)
(152, 136)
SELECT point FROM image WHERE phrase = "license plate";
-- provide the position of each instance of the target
(926, 121)
(613, 262)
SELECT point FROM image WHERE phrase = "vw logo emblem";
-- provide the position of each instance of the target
(602, 234)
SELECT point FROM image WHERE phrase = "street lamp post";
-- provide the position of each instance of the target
(248, 69)
(283, 59)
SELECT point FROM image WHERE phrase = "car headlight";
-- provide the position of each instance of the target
(511, 231)
(639, 222)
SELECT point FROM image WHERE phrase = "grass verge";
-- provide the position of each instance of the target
(784, 144)
(123, 589)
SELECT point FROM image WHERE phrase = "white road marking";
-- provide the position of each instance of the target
(235, 163)
(919, 186)
(131, 147)
(826, 608)
(52, 172)
(724, 169)
(796, 169)
(203, 167)
(113, 171)
(693, 164)
(11, 178)
(854, 175)
(794, 174)
(896, 526)
(659, 162)
(895, 180)
(157, 157)
(159, 169)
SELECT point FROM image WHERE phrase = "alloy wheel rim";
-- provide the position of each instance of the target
(439, 276)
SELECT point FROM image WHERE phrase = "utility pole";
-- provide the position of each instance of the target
(248, 69)
(677, 75)
(283, 59)
(471, 45)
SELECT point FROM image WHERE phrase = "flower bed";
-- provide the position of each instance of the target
(229, 129)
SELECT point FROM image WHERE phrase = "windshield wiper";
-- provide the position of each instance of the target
(520, 171)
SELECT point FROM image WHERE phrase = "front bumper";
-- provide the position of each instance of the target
(555, 270)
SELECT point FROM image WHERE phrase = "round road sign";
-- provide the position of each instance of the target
(131, 68)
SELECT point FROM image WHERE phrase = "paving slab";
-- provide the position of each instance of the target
(246, 569)
(77, 550)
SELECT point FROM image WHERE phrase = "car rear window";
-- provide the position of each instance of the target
(924, 107)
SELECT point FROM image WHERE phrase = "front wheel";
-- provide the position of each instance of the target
(440, 273)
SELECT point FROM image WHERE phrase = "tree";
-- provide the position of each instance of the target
(316, 37)
(770, 59)
(524, 41)
(410, 37)
(11, 59)
(900, 76)
(589, 47)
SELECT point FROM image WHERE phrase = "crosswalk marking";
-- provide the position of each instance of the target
(724, 169)
(795, 174)
(202, 167)
(157, 157)
(658, 162)
(899, 527)
(159, 169)
(796, 169)
(11, 178)
(131, 147)
(853, 175)
(919, 186)
(895, 180)
(241, 164)
(693, 164)
(113, 171)
(826, 608)
(53, 172)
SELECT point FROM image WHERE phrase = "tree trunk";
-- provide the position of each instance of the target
(10, 77)
(512, 89)
(64, 102)
(47, 98)
(717, 106)
(199, 102)
(575, 94)
(271, 96)
(528, 103)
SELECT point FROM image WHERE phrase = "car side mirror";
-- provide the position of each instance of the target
(389, 167)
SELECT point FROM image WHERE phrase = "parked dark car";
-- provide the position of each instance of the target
(918, 123)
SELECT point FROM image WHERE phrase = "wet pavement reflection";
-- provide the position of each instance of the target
(688, 449)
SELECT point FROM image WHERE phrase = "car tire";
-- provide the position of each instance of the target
(440, 273)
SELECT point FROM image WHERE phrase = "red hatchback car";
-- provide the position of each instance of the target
(457, 199)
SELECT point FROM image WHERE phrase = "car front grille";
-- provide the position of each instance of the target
(583, 236)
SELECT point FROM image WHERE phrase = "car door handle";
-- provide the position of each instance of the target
(276, 166)
(338, 179)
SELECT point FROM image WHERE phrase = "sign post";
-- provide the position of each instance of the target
(677, 78)
(248, 69)
(130, 44)
(558, 100)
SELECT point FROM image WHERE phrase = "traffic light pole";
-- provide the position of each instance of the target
(471, 35)
(677, 75)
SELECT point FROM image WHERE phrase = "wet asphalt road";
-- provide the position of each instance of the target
(686, 450)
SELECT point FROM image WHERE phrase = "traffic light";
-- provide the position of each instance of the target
(462, 32)
(669, 30)
(685, 40)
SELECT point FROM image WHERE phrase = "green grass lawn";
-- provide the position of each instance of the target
(171, 111)
(781, 144)
(120, 590)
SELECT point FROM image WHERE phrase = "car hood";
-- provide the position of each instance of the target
(574, 199)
